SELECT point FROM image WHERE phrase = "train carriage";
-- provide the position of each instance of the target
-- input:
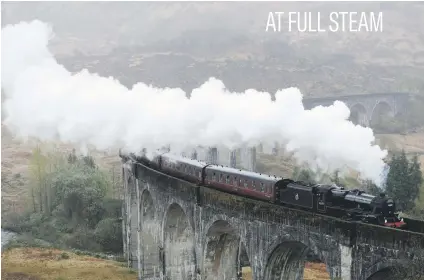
(188, 169)
(242, 182)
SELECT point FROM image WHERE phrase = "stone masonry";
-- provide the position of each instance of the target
(176, 230)
(366, 108)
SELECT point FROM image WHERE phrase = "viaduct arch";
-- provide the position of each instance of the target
(201, 233)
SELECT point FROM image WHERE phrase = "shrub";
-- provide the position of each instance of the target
(82, 239)
(112, 208)
(16, 222)
(108, 233)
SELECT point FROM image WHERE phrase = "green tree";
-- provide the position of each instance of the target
(78, 189)
(418, 211)
(404, 180)
(40, 191)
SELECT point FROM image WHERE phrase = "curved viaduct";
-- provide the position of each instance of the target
(366, 109)
(174, 230)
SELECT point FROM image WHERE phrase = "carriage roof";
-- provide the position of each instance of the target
(240, 172)
(220, 168)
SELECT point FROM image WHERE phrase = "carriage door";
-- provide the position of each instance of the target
(321, 203)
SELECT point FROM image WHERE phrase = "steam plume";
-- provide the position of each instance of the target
(46, 101)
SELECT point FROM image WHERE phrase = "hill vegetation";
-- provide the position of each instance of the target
(69, 204)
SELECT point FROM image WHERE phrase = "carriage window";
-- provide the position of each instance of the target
(245, 183)
(200, 175)
(253, 185)
(221, 177)
(213, 177)
(227, 180)
(239, 183)
(235, 181)
(262, 187)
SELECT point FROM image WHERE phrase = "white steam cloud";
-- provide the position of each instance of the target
(46, 101)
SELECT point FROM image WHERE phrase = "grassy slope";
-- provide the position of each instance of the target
(49, 264)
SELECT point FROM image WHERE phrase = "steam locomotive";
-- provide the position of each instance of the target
(332, 200)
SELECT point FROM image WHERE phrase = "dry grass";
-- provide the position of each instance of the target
(313, 271)
(49, 264)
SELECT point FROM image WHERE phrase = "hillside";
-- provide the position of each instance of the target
(183, 44)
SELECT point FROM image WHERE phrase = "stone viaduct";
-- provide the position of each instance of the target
(366, 109)
(175, 230)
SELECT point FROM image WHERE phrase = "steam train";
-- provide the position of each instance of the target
(332, 200)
